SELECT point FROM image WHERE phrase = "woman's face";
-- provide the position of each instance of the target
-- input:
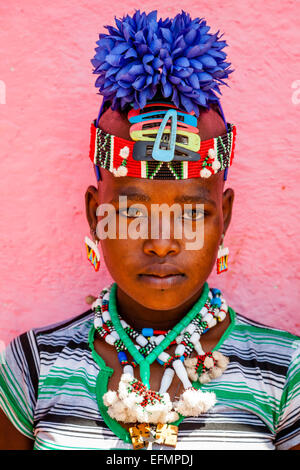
(161, 272)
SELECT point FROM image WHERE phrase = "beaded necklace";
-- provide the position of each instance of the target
(135, 402)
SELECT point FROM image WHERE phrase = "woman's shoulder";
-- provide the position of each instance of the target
(246, 330)
(67, 326)
(245, 322)
(53, 338)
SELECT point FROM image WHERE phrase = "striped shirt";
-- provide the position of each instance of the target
(50, 379)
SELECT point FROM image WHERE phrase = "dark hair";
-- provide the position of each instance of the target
(160, 97)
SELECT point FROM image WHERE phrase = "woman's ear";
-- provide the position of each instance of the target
(228, 197)
(91, 204)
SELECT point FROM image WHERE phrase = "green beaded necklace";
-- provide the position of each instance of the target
(105, 372)
(144, 363)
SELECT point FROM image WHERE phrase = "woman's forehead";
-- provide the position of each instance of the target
(193, 189)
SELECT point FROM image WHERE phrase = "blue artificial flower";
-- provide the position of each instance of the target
(143, 56)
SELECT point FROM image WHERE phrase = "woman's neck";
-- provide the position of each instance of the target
(138, 316)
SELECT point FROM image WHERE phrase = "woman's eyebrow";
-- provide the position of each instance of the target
(133, 194)
(195, 198)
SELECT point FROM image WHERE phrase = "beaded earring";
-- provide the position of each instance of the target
(222, 260)
(93, 253)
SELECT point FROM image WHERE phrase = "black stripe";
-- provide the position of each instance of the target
(64, 324)
(71, 344)
(68, 419)
(31, 363)
(294, 428)
(263, 365)
(253, 322)
(224, 426)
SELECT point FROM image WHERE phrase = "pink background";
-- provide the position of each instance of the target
(50, 102)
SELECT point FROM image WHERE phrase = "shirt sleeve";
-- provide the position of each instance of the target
(19, 366)
(288, 424)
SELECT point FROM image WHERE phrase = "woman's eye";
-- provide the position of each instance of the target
(193, 214)
(131, 212)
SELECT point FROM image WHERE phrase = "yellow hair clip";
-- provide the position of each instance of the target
(184, 139)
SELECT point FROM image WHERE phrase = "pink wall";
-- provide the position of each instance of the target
(47, 102)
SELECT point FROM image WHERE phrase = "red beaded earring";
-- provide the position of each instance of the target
(222, 260)
(93, 253)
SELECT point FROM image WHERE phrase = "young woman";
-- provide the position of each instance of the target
(160, 361)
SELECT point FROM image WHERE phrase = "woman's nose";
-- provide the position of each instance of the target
(161, 247)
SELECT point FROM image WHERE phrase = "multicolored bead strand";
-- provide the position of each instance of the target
(149, 345)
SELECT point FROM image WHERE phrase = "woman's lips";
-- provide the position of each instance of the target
(162, 276)
(162, 282)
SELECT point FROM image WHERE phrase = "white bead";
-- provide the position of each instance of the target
(191, 328)
(141, 340)
(212, 153)
(106, 316)
(181, 373)
(198, 349)
(124, 324)
(212, 323)
(166, 380)
(97, 303)
(194, 338)
(180, 349)
(115, 334)
(203, 311)
(205, 173)
(110, 339)
(216, 164)
(128, 369)
(221, 316)
(98, 322)
(208, 317)
(158, 339)
(164, 357)
(179, 339)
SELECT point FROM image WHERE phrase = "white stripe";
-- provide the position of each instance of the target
(95, 151)
(111, 165)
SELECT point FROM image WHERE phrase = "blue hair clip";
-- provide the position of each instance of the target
(161, 154)
(145, 116)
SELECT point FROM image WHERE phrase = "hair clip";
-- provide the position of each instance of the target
(154, 125)
(142, 151)
(137, 115)
(159, 153)
(184, 139)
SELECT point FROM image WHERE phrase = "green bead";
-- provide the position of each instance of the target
(145, 373)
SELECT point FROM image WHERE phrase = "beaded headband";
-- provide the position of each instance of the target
(119, 157)
(178, 63)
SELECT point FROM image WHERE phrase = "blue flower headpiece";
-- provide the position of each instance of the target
(177, 58)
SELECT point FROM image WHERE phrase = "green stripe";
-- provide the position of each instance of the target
(11, 410)
(8, 376)
(60, 382)
(259, 330)
(9, 392)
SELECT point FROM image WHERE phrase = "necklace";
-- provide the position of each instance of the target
(135, 402)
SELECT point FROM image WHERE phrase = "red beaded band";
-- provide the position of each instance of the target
(115, 154)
